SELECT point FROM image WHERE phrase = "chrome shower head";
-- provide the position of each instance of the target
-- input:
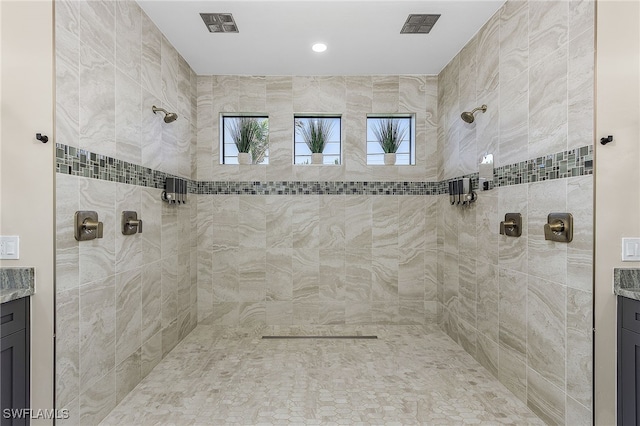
(468, 117)
(169, 117)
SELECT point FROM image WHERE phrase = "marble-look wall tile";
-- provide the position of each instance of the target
(487, 353)
(385, 221)
(358, 221)
(305, 224)
(128, 374)
(128, 118)
(513, 372)
(513, 313)
(97, 331)
(169, 291)
(545, 399)
(67, 84)
(98, 399)
(488, 223)
(306, 275)
(325, 94)
(358, 275)
(97, 102)
(151, 296)
(169, 73)
(128, 313)
(98, 27)
(67, 248)
(579, 360)
(512, 251)
(97, 257)
(109, 73)
(279, 313)
(580, 250)
(580, 83)
(411, 275)
(467, 290)
(577, 414)
(548, 102)
(548, 28)
(251, 227)
(151, 353)
(279, 275)
(412, 217)
(128, 247)
(546, 323)
(488, 300)
(386, 94)
(129, 38)
(251, 274)
(67, 347)
(546, 259)
(514, 119)
(534, 69)
(384, 274)
(514, 39)
(332, 222)
(488, 54)
(332, 280)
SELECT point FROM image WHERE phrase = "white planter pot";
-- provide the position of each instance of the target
(244, 158)
(389, 159)
(317, 158)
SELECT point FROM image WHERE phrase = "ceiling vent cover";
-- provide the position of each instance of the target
(219, 22)
(419, 24)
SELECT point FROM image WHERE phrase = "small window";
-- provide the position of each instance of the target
(403, 126)
(332, 149)
(235, 127)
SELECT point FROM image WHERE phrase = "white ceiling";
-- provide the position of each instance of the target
(275, 36)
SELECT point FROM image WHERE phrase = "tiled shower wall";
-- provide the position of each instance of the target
(122, 302)
(522, 306)
(314, 259)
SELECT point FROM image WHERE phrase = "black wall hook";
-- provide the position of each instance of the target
(606, 140)
(42, 138)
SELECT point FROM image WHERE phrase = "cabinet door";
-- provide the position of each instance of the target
(13, 369)
(629, 378)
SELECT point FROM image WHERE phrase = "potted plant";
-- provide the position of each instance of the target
(389, 135)
(315, 134)
(244, 132)
(259, 149)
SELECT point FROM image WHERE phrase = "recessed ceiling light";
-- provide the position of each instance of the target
(319, 47)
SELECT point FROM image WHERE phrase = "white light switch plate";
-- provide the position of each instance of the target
(631, 249)
(10, 247)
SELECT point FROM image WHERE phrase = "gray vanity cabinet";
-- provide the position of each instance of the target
(628, 361)
(14, 359)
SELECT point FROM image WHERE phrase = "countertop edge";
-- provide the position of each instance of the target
(16, 283)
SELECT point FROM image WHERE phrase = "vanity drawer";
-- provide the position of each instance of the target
(13, 316)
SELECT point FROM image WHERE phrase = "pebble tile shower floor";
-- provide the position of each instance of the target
(409, 375)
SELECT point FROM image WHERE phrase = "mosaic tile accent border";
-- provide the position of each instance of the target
(566, 164)
(79, 162)
(83, 163)
(320, 188)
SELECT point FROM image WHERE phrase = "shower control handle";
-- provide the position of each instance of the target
(511, 226)
(87, 226)
(130, 223)
(92, 225)
(559, 227)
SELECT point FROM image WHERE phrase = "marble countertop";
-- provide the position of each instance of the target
(16, 283)
(626, 282)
